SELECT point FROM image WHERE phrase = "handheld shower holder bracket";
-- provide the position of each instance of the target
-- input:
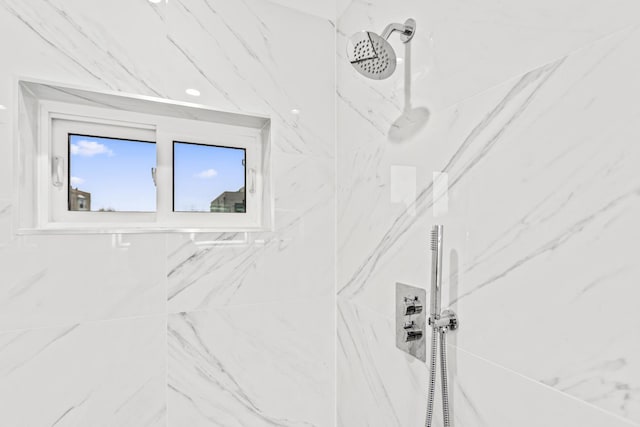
(448, 320)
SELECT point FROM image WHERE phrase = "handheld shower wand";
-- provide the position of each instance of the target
(436, 271)
(440, 323)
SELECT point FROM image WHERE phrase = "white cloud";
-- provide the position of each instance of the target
(89, 148)
(76, 180)
(209, 173)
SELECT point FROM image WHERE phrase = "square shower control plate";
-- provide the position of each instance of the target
(411, 320)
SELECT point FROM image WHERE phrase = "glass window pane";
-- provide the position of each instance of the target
(111, 175)
(208, 178)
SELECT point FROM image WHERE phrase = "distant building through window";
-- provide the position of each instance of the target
(79, 200)
(229, 201)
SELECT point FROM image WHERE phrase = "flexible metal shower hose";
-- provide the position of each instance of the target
(445, 385)
(432, 376)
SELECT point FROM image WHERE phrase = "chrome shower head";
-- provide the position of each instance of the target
(372, 55)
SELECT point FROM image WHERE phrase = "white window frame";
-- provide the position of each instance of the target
(58, 119)
(174, 130)
(61, 127)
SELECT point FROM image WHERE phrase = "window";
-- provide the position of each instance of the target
(111, 174)
(100, 169)
(208, 178)
(101, 172)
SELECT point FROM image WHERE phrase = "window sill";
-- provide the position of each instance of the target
(133, 230)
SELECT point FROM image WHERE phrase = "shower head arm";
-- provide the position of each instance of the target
(407, 29)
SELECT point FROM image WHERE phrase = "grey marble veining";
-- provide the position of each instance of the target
(109, 373)
(471, 150)
(259, 365)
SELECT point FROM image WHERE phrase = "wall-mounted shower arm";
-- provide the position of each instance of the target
(407, 29)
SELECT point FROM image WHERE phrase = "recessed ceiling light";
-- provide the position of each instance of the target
(193, 92)
(2, 107)
(155, 1)
(295, 111)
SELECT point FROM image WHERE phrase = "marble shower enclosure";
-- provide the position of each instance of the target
(534, 120)
(154, 329)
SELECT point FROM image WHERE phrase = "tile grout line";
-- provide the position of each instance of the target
(83, 322)
(166, 313)
(249, 305)
(335, 226)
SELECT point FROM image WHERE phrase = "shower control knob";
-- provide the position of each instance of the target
(412, 306)
(413, 334)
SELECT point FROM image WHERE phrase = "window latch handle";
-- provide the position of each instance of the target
(252, 182)
(57, 171)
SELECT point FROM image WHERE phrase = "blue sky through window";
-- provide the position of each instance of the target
(201, 173)
(116, 172)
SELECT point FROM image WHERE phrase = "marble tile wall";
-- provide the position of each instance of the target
(151, 329)
(533, 117)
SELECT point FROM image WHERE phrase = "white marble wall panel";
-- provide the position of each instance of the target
(324, 9)
(248, 56)
(78, 45)
(5, 174)
(341, 6)
(293, 261)
(5, 221)
(253, 365)
(378, 385)
(291, 264)
(566, 248)
(58, 280)
(389, 242)
(255, 56)
(94, 374)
